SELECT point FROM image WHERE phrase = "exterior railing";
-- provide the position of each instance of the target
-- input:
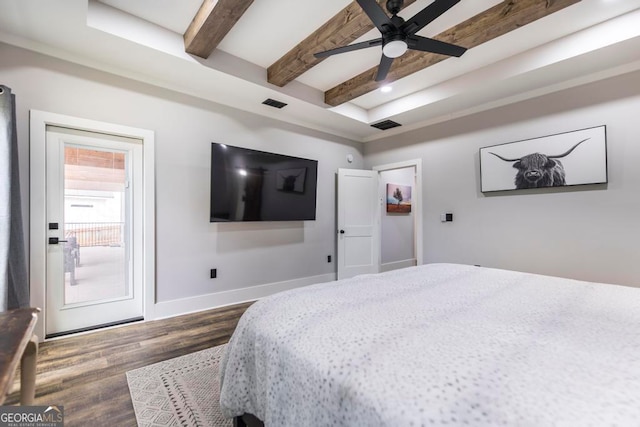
(96, 233)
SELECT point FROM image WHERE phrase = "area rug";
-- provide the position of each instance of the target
(179, 392)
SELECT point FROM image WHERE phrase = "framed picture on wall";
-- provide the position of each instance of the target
(565, 159)
(398, 198)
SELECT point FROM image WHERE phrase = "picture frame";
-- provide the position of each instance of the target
(565, 159)
(291, 180)
(398, 198)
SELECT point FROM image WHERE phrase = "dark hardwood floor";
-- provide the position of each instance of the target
(86, 373)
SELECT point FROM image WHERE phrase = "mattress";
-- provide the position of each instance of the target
(438, 345)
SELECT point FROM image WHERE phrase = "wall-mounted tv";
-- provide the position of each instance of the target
(252, 185)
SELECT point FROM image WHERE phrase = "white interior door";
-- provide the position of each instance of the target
(358, 223)
(94, 222)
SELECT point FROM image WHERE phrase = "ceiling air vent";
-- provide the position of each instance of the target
(387, 124)
(273, 103)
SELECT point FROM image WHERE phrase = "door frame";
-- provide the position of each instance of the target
(38, 122)
(416, 202)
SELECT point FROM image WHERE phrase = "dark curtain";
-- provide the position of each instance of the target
(14, 287)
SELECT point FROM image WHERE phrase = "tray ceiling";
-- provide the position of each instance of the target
(517, 49)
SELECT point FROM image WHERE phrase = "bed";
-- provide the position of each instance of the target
(436, 345)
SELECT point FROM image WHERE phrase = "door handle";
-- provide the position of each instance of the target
(341, 231)
(55, 240)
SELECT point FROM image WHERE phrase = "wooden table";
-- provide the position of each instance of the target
(18, 344)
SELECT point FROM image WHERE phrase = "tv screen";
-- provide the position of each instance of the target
(251, 185)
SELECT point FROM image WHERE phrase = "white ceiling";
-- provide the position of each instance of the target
(142, 39)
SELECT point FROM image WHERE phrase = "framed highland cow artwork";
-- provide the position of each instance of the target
(571, 158)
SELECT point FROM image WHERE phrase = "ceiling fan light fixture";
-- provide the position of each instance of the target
(398, 35)
(395, 48)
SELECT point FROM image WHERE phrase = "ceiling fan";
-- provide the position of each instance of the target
(399, 35)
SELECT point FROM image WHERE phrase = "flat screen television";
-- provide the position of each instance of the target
(252, 185)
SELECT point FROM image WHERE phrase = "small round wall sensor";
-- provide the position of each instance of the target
(350, 158)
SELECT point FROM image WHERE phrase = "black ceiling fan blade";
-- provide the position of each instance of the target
(376, 14)
(349, 48)
(383, 68)
(434, 46)
(427, 15)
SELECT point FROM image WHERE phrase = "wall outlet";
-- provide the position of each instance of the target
(214, 273)
(328, 258)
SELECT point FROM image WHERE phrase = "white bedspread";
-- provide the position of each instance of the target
(439, 345)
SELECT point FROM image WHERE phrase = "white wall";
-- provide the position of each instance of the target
(588, 232)
(397, 228)
(245, 254)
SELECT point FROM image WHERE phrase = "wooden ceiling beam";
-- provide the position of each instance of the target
(214, 20)
(494, 22)
(345, 27)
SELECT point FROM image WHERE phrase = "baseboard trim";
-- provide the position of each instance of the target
(398, 264)
(236, 296)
